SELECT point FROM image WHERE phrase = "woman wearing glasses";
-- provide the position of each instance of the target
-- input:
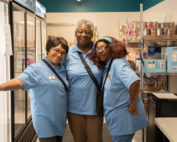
(123, 107)
(47, 92)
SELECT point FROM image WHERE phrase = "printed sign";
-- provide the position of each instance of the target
(40, 10)
(29, 4)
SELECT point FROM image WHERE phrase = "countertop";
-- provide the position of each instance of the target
(168, 126)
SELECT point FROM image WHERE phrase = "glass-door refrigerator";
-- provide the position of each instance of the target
(24, 38)
(31, 48)
(38, 40)
(29, 39)
(44, 39)
(40, 30)
(18, 28)
(41, 37)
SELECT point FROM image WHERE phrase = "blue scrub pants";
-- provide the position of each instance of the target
(122, 138)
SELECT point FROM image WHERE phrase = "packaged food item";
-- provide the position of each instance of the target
(153, 32)
(154, 65)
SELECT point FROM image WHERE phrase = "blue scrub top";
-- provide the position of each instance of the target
(117, 99)
(82, 90)
(48, 98)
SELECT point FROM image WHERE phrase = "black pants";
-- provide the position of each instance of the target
(51, 139)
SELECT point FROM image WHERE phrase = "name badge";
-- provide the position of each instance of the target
(51, 77)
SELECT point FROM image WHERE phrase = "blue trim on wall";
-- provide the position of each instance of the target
(97, 5)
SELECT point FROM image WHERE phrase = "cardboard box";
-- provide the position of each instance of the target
(154, 65)
(171, 59)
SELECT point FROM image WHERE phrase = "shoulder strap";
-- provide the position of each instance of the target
(55, 73)
(106, 74)
(89, 70)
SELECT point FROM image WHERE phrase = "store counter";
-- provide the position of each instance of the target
(168, 126)
(159, 105)
(163, 96)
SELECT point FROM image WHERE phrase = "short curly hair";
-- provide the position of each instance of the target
(85, 22)
(54, 41)
(118, 49)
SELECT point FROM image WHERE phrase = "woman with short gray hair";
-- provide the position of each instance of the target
(84, 122)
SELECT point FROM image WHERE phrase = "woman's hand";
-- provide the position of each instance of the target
(133, 110)
(134, 92)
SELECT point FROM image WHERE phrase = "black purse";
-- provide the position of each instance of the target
(100, 93)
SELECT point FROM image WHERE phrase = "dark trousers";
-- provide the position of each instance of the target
(51, 139)
(86, 128)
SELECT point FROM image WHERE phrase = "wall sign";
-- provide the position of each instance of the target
(40, 10)
(29, 4)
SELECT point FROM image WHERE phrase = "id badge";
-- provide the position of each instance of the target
(51, 77)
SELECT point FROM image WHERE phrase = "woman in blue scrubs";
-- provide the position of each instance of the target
(123, 107)
(48, 94)
(84, 122)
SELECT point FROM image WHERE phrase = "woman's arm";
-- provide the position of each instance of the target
(13, 84)
(134, 92)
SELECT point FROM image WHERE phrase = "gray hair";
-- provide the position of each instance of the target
(85, 22)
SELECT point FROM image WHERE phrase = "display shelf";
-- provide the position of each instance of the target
(153, 38)
(150, 92)
(152, 89)
(160, 73)
(161, 37)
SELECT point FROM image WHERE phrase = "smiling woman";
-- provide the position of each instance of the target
(56, 55)
(122, 104)
(56, 50)
(47, 92)
(85, 123)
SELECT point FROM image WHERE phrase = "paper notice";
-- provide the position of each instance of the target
(8, 40)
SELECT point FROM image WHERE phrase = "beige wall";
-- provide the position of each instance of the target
(107, 23)
(157, 12)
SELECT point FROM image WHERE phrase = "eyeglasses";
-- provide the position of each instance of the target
(58, 51)
(102, 48)
(87, 32)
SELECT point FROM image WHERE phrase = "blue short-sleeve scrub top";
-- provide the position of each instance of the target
(117, 99)
(48, 98)
(82, 90)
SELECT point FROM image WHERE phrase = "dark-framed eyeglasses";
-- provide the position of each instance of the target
(102, 48)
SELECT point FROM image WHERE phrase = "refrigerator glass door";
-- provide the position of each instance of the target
(31, 50)
(19, 66)
(44, 38)
(38, 40)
